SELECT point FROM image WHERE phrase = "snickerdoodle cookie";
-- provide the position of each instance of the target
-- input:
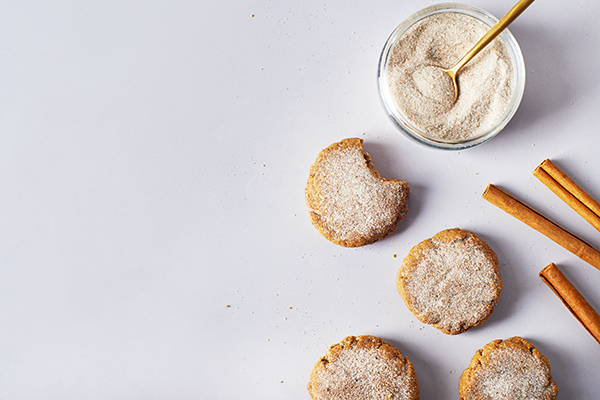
(512, 369)
(363, 367)
(349, 203)
(450, 281)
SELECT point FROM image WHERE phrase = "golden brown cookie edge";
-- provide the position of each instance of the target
(466, 382)
(393, 353)
(311, 193)
(412, 258)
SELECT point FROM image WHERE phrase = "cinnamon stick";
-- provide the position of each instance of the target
(537, 221)
(568, 191)
(572, 299)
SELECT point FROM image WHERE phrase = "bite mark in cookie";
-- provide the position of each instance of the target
(349, 203)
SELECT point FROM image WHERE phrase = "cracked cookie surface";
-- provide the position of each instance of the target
(450, 281)
(349, 203)
(511, 369)
(363, 367)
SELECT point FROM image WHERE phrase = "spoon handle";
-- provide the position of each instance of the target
(493, 32)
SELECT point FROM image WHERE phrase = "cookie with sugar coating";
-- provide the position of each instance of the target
(363, 367)
(511, 369)
(349, 203)
(450, 281)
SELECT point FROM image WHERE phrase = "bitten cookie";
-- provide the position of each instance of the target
(349, 203)
(363, 367)
(512, 369)
(450, 281)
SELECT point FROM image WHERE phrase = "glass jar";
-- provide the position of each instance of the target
(409, 129)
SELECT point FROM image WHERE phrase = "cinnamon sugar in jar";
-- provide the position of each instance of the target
(490, 86)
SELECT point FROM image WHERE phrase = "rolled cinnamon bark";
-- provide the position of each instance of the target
(537, 221)
(569, 192)
(572, 299)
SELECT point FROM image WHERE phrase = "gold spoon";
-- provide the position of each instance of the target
(486, 39)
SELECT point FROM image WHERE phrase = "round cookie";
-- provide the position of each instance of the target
(511, 369)
(450, 281)
(349, 203)
(363, 367)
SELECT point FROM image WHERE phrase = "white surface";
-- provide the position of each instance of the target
(153, 157)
